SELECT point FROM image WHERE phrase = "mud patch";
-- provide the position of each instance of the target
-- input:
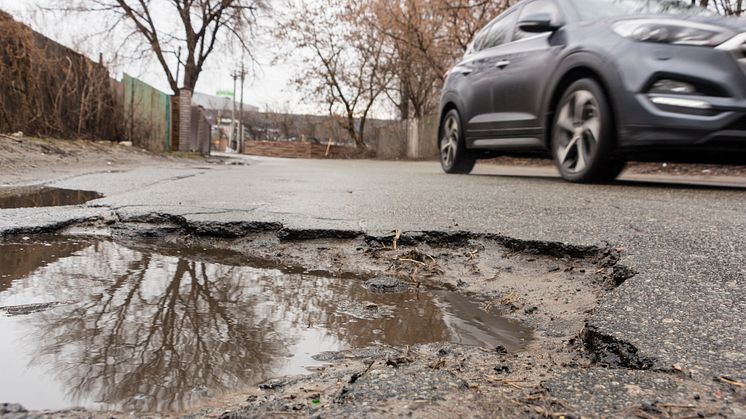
(32, 197)
(149, 327)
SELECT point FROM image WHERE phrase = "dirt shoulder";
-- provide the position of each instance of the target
(30, 159)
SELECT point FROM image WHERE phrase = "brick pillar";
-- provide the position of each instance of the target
(185, 119)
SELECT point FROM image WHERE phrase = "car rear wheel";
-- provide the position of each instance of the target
(583, 135)
(454, 157)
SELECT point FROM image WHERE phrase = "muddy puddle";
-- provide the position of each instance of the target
(102, 325)
(30, 197)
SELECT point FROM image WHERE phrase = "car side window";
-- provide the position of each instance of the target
(499, 32)
(536, 7)
(478, 43)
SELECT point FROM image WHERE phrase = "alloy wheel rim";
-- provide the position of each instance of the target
(579, 124)
(449, 141)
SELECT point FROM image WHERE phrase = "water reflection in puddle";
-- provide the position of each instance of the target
(142, 329)
(30, 197)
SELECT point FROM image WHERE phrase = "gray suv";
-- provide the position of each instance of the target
(595, 83)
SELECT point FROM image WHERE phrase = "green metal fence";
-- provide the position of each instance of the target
(147, 113)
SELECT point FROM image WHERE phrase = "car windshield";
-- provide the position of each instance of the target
(598, 9)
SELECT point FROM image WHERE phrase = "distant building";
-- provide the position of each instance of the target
(220, 110)
(278, 126)
(220, 104)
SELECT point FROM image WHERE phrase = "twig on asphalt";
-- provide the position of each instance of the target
(412, 260)
(470, 255)
(732, 382)
(494, 380)
(642, 415)
(679, 406)
(510, 298)
(10, 137)
(357, 375)
(560, 414)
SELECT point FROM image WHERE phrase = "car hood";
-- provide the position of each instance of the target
(736, 24)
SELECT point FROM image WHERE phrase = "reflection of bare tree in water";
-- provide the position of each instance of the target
(153, 332)
(315, 301)
(160, 329)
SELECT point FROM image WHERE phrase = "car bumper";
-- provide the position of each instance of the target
(713, 118)
(695, 121)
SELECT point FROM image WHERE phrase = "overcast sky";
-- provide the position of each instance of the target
(268, 84)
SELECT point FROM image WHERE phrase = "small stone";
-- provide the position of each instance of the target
(502, 369)
(501, 349)
(273, 384)
(386, 284)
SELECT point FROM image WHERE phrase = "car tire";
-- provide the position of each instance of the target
(583, 135)
(454, 157)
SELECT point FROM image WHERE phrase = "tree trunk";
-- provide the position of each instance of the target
(403, 101)
(360, 140)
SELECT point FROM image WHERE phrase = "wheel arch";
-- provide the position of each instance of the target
(577, 67)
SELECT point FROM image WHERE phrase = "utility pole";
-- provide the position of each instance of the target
(233, 114)
(237, 130)
(240, 129)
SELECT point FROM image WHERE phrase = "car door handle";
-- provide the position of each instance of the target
(465, 71)
(502, 64)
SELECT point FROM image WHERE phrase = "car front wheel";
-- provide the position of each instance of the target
(583, 135)
(454, 157)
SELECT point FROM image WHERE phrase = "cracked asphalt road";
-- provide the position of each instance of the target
(683, 310)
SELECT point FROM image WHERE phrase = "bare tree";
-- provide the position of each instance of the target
(345, 61)
(725, 7)
(166, 27)
(279, 116)
(427, 37)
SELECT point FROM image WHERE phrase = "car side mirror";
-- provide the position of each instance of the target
(538, 23)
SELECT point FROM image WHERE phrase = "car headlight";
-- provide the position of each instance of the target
(669, 31)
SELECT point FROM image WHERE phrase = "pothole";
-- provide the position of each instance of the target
(199, 313)
(32, 197)
(168, 325)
